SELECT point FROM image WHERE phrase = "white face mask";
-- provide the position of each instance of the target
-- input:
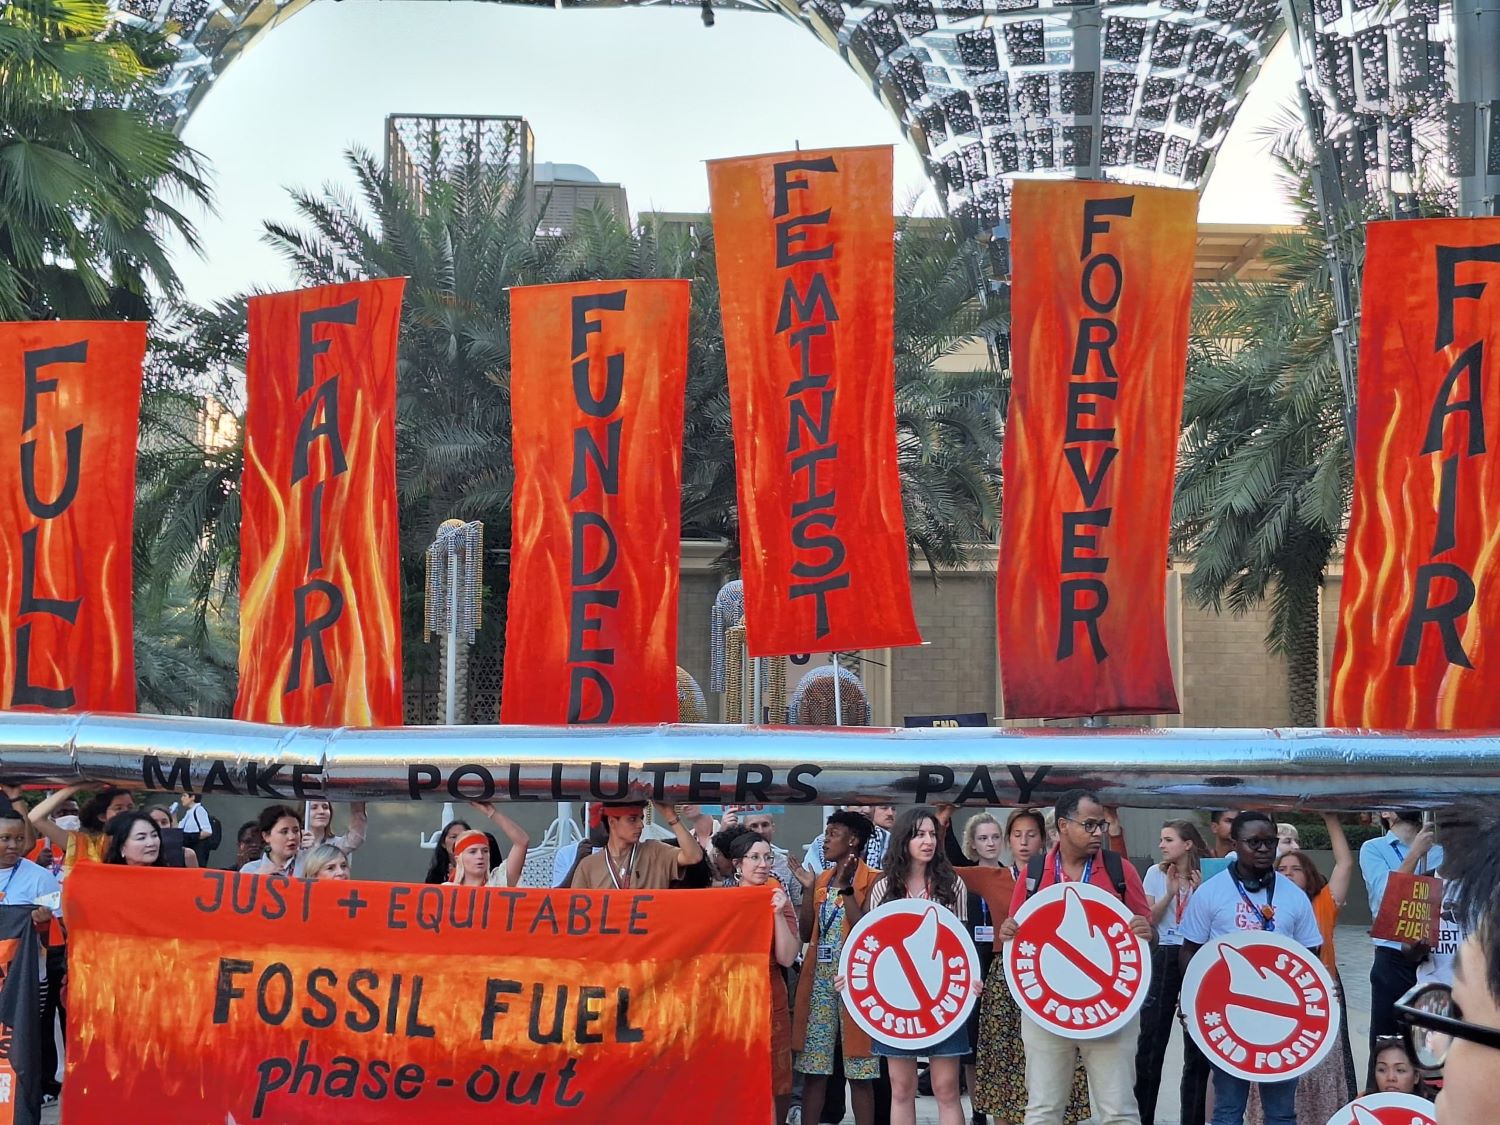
(68, 823)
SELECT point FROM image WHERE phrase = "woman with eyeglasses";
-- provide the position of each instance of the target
(753, 857)
(1457, 1030)
(1000, 1058)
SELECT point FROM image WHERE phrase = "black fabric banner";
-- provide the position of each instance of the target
(20, 1018)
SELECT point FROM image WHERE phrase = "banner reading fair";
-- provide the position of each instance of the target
(300, 1001)
(807, 282)
(1420, 608)
(599, 377)
(1099, 317)
(67, 503)
(320, 585)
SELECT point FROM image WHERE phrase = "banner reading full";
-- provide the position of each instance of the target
(805, 243)
(320, 585)
(1420, 608)
(599, 378)
(69, 415)
(300, 1001)
(1099, 312)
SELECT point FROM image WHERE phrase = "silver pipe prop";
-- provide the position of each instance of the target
(1149, 768)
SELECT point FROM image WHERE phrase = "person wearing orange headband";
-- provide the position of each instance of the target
(628, 862)
(471, 860)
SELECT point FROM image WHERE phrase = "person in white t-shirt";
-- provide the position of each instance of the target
(1250, 895)
(196, 827)
(1169, 886)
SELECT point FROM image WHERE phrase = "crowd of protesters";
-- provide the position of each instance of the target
(1014, 1071)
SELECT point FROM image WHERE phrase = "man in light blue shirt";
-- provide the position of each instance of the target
(1407, 848)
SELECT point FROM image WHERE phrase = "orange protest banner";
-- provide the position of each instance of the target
(1409, 909)
(1099, 312)
(597, 390)
(807, 282)
(320, 581)
(297, 1001)
(1421, 587)
(67, 503)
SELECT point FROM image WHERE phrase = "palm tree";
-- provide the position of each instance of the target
(87, 170)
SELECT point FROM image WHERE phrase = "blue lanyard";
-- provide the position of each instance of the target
(1400, 850)
(827, 917)
(1267, 924)
(1057, 871)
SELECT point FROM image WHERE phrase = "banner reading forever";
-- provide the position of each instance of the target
(1099, 330)
(1421, 574)
(309, 1001)
(599, 378)
(320, 584)
(67, 504)
(807, 281)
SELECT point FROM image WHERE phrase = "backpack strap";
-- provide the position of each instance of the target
(1114, 865)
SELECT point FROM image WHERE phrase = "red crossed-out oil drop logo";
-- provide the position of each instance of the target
(1386, 1109)
(1074, 966)
(1260, 1006)
(911, 973)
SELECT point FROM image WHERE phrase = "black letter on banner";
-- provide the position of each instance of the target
(1471, 360)
(582, 576)
(804, 305)
(614, 365)
(1120, 207)
(308, 348)
(1075, 614)
(310, 428)
(1444, 615)
(310, 632)
(1449, 258)
(42, 510)
(781, 174)
(606, 465)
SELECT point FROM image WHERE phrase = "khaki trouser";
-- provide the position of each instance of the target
(1110, 1063)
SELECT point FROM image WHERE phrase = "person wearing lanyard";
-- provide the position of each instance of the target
(989, 886)
(1250, 895)
(1409, 849)
(1052, 1059)
(626, 862)
(1169, 885)
(821, 1027)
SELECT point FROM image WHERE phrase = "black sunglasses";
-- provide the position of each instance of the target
(1431, 1022)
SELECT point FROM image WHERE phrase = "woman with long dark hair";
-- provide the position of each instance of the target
(1168, 886)
(441, 865)
(915, 867)
(87, 841)
(133, 840)
(1000, 1059)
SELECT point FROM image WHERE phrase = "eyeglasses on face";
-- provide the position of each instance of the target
(1260, 843)
(1089, 826)
(1432, 1021)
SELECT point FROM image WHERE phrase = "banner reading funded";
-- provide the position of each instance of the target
(320, 584)
(597, 389)
(67, 502)
(805, 244)
(1420, 610)
(299, 1001)
(1099, 315)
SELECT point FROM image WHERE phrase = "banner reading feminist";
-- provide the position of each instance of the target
(599, 374)
(294, 1000)
(805, 243)
(1099, 317)
(67, 503)
(1420, 607)
(320, 585)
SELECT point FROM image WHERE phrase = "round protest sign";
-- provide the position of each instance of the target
(911, 973)
(1074, 966)
(1260, 1006)
(1386, 1109)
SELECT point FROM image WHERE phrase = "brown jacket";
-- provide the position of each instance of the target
(856, 1042)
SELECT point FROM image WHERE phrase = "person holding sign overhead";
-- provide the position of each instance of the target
(821, 1026)
(753, 857)
(915, 867)
(626, 862)
(1250, 895)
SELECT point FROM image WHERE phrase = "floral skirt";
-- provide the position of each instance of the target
(1000, 1090)
(825, 1015)
(1325, 1089)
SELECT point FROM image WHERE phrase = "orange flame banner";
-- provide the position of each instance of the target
(807, 286)
(1099, 314)
(1421, 577)
(299, 1001)
(599, 378)
(67, 505)
(320, 584)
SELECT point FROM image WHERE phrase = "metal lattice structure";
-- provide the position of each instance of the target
(1134, 90)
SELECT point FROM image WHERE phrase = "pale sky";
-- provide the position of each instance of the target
(641, 97)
